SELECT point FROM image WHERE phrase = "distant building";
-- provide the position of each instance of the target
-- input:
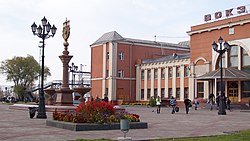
(165, 77)
(114, 59)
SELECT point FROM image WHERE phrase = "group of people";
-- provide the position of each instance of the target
(226, 100)
(172, 103)
(188, 103)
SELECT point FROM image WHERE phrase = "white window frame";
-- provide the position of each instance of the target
(121, 55)
(120, 73)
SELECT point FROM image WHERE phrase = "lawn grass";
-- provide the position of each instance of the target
(236, 136)
(240, 136)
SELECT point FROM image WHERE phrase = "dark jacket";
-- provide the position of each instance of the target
(187, 101)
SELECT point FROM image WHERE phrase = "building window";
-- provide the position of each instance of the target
(185, 92)
(245, 89)
(200, 88)
(155, 93)
(163, 73)
(233, 56)
(223, 62)
(155, 74)
(245, 58)
(120, 73)
(162, 92)
(149, 74)
(178, 71)
(148, 94)
(142, 75)
(121, 55)
(170, 72)
(142, 94)
(170, 93)
(186, 69)
(178, 92)
(219, 86)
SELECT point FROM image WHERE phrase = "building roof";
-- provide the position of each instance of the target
(108, 37)
(113, 36)
(227, 73)
(167, 58)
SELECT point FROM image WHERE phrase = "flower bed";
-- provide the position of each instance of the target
(95, 112)
(94, 116)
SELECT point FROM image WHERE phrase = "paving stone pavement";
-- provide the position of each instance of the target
(15, 125)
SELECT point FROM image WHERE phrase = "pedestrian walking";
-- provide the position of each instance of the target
(217, 102)
(158, 104)
(196, 103)
(187, 104)
(211, 100)
(173, 104)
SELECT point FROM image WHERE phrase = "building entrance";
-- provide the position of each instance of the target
(233, 91)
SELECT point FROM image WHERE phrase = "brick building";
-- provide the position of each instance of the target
(236, 61)
(114, 59)
(135, 70)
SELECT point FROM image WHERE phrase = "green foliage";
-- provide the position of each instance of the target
(1, 93)
(240, 136)
(152, 102)
(20, 91)
(237, 136)
(23, 71)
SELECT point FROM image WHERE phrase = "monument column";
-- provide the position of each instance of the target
(64, 94)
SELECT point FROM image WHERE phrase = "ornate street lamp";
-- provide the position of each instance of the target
(73, 68)
(221, 51)
(43, 32)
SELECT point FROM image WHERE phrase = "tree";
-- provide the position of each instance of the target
(23, 71)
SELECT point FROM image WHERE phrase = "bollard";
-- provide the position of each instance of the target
(124, 126)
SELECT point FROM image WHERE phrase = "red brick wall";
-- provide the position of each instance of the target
(201, 43)
(96, 61)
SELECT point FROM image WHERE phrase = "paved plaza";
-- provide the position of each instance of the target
(15, 125)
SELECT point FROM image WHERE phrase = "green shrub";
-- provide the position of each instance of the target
(152, 101)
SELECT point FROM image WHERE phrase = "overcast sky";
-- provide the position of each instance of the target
(169, 20)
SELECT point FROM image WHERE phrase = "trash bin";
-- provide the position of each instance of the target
(32, 111)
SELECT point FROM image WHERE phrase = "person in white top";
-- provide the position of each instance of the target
(158, 104)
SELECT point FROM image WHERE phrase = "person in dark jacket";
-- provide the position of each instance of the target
(187, 104)
(106, 99)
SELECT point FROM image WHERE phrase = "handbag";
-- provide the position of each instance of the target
(177, 109)
(190, 105)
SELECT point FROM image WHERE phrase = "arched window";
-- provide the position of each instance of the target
(233, 56)
(245, 61)
(223, 62)
(245, 58)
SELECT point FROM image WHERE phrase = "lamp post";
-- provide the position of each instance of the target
(43, 32)
(221, 51)
(73, 68)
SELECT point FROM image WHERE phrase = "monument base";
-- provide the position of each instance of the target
(64, 97)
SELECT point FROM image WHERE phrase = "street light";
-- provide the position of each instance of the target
(43, 32)
(73, 68)
(221, 51)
